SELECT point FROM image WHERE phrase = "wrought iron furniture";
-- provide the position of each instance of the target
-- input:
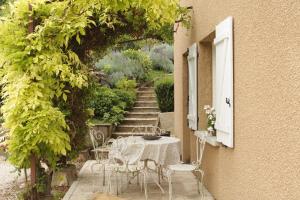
(101, 147)
(194, 167)
(126, 157)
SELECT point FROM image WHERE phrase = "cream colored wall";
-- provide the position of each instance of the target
(265, 162)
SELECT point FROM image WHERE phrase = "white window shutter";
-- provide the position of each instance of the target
(192, 68)
(224, 81)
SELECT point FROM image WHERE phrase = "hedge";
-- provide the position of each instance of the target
(164, 90)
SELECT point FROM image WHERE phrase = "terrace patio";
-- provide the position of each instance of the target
(184, 187)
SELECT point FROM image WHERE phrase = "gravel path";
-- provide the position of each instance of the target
(10, 181)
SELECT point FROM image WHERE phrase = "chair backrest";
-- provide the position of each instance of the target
(132, 153)
(98, 139)
(125, 151)
(200, 145)
(116, 149)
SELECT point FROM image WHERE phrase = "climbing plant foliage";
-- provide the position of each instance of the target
(46, 66)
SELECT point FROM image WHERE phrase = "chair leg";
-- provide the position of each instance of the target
(141, 180)
(170, 186)
(117, 183)
(145, 186)
(92, 171)
(127, 179)
(159, 173)
(103, 175)
(201, 191)
(109, 184)
(200, 184)
(156, 182)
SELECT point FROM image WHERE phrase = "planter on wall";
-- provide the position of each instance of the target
(105, 128)
(64, 177)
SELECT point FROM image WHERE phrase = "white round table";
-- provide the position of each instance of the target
(164, 151)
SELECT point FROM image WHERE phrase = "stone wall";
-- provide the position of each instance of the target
(166, 121)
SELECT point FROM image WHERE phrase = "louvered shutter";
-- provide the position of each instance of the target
(192, 65)
(224, 81)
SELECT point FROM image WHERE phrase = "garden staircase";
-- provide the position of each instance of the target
(143, 114)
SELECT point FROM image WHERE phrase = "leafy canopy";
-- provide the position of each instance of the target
(40, 69)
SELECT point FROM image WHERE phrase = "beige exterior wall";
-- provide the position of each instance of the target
(265, 161)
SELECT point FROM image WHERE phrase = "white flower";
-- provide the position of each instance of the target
(206, 107)
(210, 128)
(210, 117)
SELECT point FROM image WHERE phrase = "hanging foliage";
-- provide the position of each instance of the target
(40, 69)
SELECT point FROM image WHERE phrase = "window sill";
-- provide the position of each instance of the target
(212, 140)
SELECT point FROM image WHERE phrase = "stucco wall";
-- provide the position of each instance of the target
(265, 162)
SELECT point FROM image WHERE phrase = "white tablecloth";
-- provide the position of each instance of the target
(164, 151)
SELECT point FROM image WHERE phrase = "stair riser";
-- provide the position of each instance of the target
(145, 104)
(125, 134)
(147, 98)
(129, 115)
(139, 122)
(129, 129)
(145, 110)
(145, 93)
(146, 89)
(124, 129)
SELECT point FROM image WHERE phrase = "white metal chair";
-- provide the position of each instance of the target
(100, 149)
(149, 165)
(194, 167)
(126, 154)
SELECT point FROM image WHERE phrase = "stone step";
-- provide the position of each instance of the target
(129, 128)
(146, 98)
(145, 109)
(139, 121)
(145, 104)
(126, 134)
(145, 93)
(146, 89)
(141, 114)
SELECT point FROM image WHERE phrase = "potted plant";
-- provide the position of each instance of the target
(211, 119)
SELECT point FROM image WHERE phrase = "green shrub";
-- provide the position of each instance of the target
(102, 100)
(126, 91)
(125, 84)
(115, 115)
(162, 57)
(108, 104)
(128, 97)
(161, 63)
(164, 90)
(131, 64)
(139, 56)
(165, 49)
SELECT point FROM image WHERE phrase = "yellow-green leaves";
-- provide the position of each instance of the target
(38, 68)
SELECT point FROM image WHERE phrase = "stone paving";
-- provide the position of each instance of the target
(10, 180)
(89, 187)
